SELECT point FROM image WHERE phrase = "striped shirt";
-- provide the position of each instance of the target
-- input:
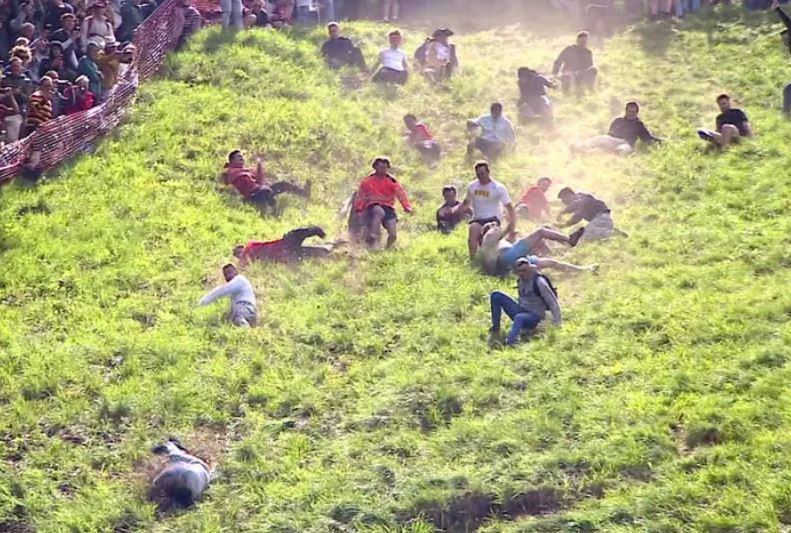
(39, 110)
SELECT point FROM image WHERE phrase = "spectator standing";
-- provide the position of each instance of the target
(390, 10)
(232, 13)
(68, 37)
(40, 107)
(97, 24)
(78, 97)
(133, 13)
(188, 21)
(54, 14)
(11, 115)
(88, 67)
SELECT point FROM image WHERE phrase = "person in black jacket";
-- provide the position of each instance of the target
(787, 41)
(622, 136)
(533, 100)
(575, 67)
(339, 51)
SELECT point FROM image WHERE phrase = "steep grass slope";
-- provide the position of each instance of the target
(369, 400)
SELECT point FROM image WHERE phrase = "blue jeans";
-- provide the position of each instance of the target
(522, 318)
(686, 6)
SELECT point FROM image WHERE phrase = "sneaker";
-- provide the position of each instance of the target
(495, 338)
(706, 135)
(574, 238)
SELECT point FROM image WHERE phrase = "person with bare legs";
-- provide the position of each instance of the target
(375, 203)
(732, 125)
(390, 9)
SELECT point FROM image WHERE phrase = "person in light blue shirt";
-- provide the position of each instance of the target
(495, 134)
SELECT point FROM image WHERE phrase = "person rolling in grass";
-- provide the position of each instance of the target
(536, 297)
(254, 185)
(585, 206)
(534, 204)
(732, 125)
(622, 136)
(448, 217)
(183, 479)
(244, 312)
(285, 250)
(420, 138)
(374, 203)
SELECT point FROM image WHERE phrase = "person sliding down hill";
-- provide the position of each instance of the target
(419, 137)
(254, 184)
(288, 248)
(448, 215)
(498, 257)
(244, 312)
(585, 206)
(339, 51)
(622, 136)
(439, 59)
(185, 477)
(496, 133)
(375, 200)
(787, 41)
(391, 65)
(575, 67)
(536, 297)
(533, 100)
(732, 125)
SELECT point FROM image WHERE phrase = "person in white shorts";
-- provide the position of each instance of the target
(244, 312)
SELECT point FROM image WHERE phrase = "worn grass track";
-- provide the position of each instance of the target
(369, 400)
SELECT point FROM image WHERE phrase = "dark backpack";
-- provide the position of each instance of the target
(538, 292)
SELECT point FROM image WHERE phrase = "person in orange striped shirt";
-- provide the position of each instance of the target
(39, 108)
(375, 202)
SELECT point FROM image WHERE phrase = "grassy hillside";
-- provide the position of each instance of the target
(369, 400)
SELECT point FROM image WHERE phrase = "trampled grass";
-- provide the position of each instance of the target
(369, 400)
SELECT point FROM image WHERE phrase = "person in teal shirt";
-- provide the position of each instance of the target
(87, 66)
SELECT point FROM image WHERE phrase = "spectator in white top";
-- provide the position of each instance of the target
(97, 24)
(391, 66)
(487, 198)
(496, 133)
(244, 312)
(440, 56)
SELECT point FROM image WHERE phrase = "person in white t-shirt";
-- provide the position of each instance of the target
(244, 312)
(392, 65)
(487, 198)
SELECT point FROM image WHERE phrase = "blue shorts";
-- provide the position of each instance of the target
(506, 261)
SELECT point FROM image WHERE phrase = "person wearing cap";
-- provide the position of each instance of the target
(287, 249)
(585, 206)
(391, 65)
(496, 133)
(448, 217)
(419, 137)
(575, 67)
(97, 25)
(88, 67)
(232, 14)
(255, 186)
(68, 37)
(440, 56)
(533, 100)
(339, 51)
(374, 202)
(244, 312)
(534, 204)
(536, 297)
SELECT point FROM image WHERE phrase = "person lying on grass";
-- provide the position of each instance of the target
(420, 138)
(374, 203)
(184, 478)
(391, 65)
(732, 124)
(534, 204)
(486, 198)
(585, 206)
(286, 249)
(254, 185)
(497, 256)
(496, 134)
(536, 297)
(448, 217)
(622, 136)
(244, 313)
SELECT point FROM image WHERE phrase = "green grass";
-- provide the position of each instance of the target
(368, 400)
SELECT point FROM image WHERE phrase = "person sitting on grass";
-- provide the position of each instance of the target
(448, 217)
(533, 100)
(254, 184)
(622, 136)
(534, 204)
(496, 133)
(440, 56)
(375, 200)
(287, 249)
(419, 137)
(536, 297)
(575, 67)
(184, 478)
(585, 206)
(732, 124)
(497, 256)
(391, 65)
(244, 313)
(339, 51)
(485, 199)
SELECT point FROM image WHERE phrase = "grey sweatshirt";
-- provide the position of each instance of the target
(535, 303)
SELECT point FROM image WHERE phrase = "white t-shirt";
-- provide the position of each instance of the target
(392, 58)
(487, 200)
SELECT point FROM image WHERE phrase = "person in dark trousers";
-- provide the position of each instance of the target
(184, 478)
(622, 136)
(339, 51)
(420, 138)
(447, 217)
(533, 100)
(732, 124)
(287, 249)
(787, 41)
(255, 186)
(575, 67)
(536, 297)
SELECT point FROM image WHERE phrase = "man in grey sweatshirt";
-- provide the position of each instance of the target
(536, 297)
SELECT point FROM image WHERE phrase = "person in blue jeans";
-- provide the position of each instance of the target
(536, 297)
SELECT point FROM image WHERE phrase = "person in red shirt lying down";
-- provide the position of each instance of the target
(374, 203)
(420, 138)
(286, 249)
(534, 204)
(254, 185)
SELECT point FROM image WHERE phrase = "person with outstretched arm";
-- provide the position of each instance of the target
(584, 206)
(622, 136)
(254, 184)
(375, 201)
(244, 313)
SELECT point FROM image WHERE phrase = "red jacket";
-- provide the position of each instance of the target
(380, 191)
(263, 250)
(243, 179)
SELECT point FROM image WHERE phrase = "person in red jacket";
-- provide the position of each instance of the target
(286, 249)
(375, 200)
(254, 185)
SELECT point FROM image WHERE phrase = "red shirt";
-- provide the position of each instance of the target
(380, 191)
(262, 250)
(243, 179)
(535, 200)
(419, 134)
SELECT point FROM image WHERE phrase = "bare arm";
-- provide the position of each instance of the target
(260, 176)
(748, 129)
(511, 217)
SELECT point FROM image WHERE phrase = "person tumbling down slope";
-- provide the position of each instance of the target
(732, 125)
(254, 185)
(375, 200)
(287, 249)
(244, 312)
(622, 136)
(496, 133)
(585, 206)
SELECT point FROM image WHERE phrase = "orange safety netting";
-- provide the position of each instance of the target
(66, 136)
